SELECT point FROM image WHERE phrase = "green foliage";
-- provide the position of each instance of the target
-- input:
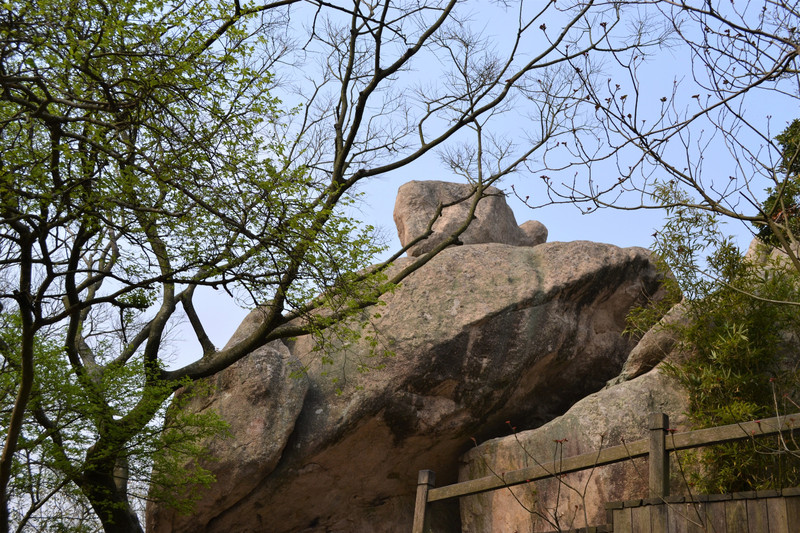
(163, 147)
(783, 200)
(180, 451)
(789, 141)
(45, 469)
(641, 319)
(740, 343)
(139, 160)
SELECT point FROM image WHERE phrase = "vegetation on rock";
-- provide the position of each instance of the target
(740, 340)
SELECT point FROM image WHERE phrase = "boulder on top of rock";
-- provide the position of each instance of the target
(494, 221)
(480, 334)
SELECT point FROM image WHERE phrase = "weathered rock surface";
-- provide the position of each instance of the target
(606, 418)
(494, 221)
(261, 403)
(768, 256)
(481, 334)
(654, 346)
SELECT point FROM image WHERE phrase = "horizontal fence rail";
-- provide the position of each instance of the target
(661, 441)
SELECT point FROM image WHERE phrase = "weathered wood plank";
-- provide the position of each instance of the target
(640, 519)
(793, 511)
(658, 518)
(736, 516)
(623, 520)
(676, 518)
(757, 516)
(695, 517)
(778, 522)
(425, 480)
(733, 432)
(715, 517)
(658, 460)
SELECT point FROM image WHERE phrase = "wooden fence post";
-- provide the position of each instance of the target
(659, 458)
(425, 481)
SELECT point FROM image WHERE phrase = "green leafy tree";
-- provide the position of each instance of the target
(739, 343)
(700, 144)
(144, 157)
(135, 168)
(43, 492)
(782, 205)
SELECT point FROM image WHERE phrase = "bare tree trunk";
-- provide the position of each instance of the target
(26, 379)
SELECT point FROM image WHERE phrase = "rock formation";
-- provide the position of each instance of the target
(609, 417)
(494, 221)
(481, 334)
(654, 346)
(261, 404)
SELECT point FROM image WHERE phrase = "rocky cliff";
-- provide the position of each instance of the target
(503, 327)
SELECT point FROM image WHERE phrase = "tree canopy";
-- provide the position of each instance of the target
(717, 143)
(715, 125)
(144, 155)
(152, 150)
(135, 169)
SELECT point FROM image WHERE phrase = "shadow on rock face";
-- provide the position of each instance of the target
(481, 334)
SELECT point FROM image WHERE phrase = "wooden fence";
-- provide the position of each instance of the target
(657, 447)
(763, 511)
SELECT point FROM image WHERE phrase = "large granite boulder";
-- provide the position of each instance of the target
(260, 402)
(616, 415)
(479, 335)
(494, 221)
(610, 417)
